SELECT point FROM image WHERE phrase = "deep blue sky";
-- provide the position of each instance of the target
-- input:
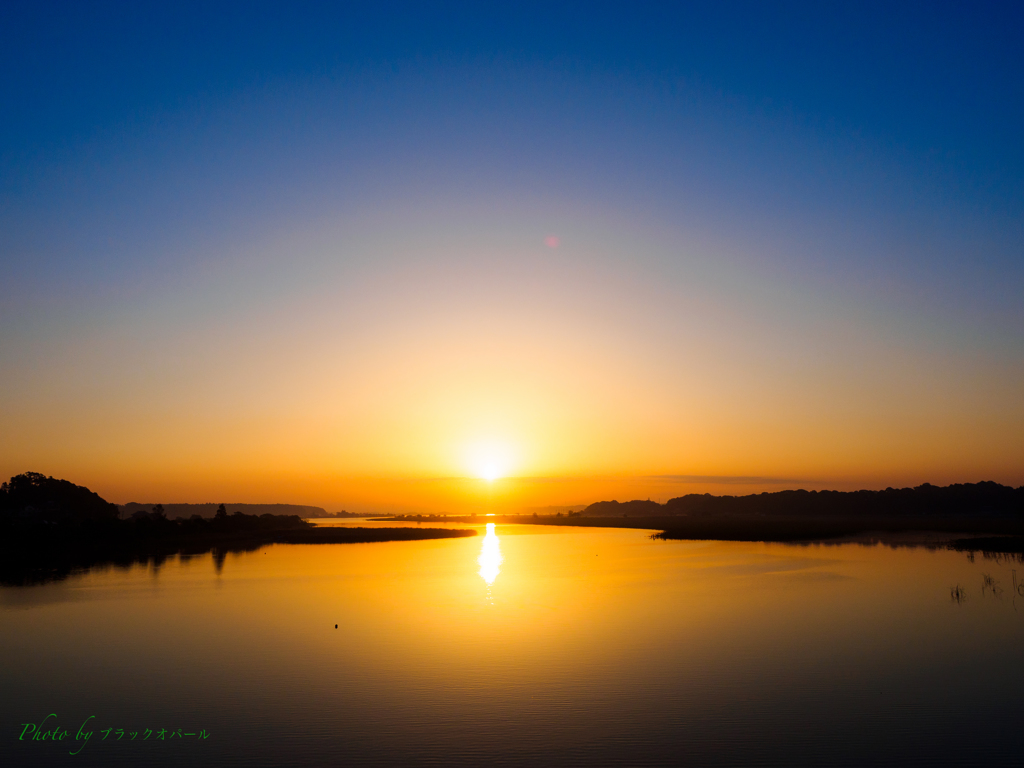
(931, 93)
(940, 80)
(854, 171)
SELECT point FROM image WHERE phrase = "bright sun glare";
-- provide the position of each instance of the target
(490, 460)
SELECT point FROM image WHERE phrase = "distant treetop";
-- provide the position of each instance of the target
(35, 496)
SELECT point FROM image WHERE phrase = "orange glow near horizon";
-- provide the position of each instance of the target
(448, 382)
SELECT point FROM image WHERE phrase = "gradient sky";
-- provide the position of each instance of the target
(359, 256)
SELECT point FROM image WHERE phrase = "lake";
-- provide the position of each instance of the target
(524, 645)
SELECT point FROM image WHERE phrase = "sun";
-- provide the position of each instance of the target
(489, 460)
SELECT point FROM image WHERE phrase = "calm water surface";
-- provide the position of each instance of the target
(524, 645)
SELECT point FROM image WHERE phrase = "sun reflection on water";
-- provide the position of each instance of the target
(490, 556)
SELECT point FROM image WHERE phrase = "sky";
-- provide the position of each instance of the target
(444, 257)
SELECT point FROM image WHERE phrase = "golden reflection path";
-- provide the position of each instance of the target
(490, 556)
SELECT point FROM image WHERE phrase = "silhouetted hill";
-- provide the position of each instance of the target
(209, 510)
(35, 498)
(636, 508)
(986, 499)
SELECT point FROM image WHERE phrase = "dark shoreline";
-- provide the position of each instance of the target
(961, 510)
(50, 528)
(964, 533)
(36, 557)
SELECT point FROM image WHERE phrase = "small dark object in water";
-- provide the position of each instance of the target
(335, 626)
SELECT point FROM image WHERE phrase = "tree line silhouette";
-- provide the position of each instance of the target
(985, 499)
(51, 527)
